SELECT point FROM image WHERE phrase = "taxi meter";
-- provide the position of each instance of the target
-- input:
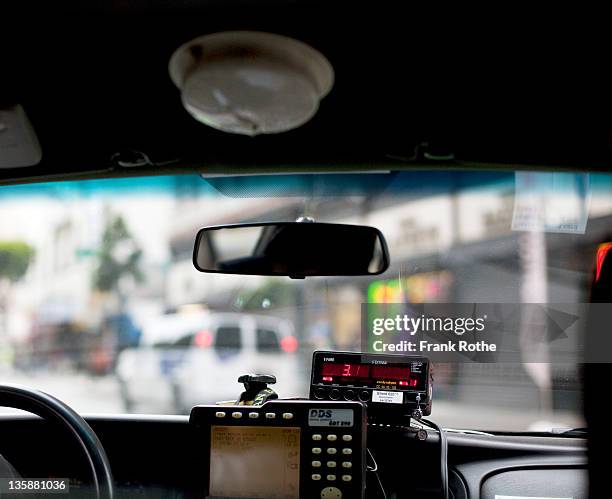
(392, 386)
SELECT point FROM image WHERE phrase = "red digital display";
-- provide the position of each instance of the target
(391, 372)
(332, 372)
(345, 370)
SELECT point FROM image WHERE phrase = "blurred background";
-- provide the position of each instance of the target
(100, 304)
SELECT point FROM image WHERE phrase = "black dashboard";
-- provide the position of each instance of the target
(161, 457)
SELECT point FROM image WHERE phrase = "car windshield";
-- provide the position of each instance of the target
(101, 306)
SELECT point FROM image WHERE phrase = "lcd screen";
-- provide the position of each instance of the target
(254, 462)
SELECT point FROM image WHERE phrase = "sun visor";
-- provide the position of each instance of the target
(19, 146)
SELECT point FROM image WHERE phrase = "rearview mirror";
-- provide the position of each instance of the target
(294, 249)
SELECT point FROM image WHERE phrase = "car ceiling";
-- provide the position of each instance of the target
(490, 90)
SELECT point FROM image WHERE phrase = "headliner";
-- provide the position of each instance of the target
(94, 82)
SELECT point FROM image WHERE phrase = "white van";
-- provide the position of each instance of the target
(196, 358)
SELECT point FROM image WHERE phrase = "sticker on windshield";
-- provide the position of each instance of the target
(551, 202)
(388, 397)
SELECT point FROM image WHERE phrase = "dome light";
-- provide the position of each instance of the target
(249, 82)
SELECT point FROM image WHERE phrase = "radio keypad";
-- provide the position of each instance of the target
(330, 439)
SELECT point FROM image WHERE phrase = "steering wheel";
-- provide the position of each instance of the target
(50, 408)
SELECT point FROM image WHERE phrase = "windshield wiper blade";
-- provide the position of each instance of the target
(558, 432)
(465, 431)
(575, 432)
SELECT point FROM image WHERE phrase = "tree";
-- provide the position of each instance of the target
(119, 257)
(15, 258)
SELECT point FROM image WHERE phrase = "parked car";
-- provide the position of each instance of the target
(186, 359)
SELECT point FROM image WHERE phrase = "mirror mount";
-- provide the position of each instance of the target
(305, 219)
(296, 276)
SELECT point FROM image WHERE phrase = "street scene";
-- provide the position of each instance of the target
(101, 305)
